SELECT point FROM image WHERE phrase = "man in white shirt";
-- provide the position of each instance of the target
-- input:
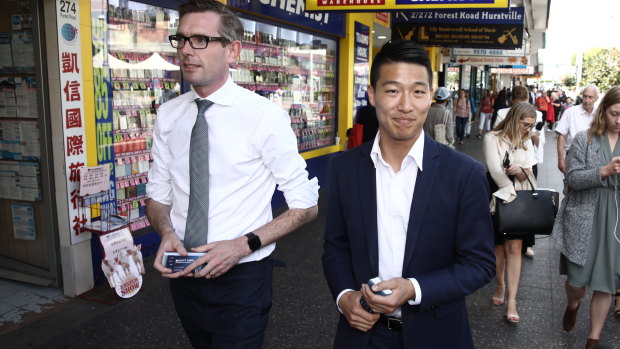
(251, 148)
(573, 121)
(411, 211)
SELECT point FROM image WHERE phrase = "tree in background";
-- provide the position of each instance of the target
(568, 81)
(601, 67)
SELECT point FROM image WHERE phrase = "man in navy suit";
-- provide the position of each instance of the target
(411, 211)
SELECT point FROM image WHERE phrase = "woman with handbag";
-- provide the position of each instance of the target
(509, 159)
(586, 228)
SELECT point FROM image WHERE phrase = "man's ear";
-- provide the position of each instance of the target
(371, 95)
(234, 51)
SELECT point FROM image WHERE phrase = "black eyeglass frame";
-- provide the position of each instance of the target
(181, 40)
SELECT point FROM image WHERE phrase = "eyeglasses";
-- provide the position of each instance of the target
(195, 41)
(526, 125)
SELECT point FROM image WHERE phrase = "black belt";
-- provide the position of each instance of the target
(392, 323)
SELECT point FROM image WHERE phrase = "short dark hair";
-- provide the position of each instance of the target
(230, 26)
(520, 93)
(400, 51)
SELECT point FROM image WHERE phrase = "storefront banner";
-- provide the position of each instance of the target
(513, 15)
(72, 106)
(519, 52)
(103, 95)
(394, 5)
(513, 71)
(502, 29)
(360, 67)
(489, 60)
(294, 11)
(490, 35)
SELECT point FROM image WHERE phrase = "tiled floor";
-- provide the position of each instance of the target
(20, 302)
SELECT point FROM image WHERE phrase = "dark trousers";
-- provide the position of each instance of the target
(383, 338)
(461, 122)
(230, 311)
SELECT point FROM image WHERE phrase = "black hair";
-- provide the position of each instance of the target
(400, 51)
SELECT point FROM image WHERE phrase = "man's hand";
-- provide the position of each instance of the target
(221, 256)
(402, 291)
(356, 316)
(170, 242)
(562, 165)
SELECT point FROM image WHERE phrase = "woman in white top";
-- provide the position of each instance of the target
(509, 159)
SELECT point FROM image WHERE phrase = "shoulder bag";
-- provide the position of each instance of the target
(532, 212)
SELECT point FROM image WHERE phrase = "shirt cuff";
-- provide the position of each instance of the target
(303, 196)
(340, 295)
(418, 293)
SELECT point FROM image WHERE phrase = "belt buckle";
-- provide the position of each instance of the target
(394, 324)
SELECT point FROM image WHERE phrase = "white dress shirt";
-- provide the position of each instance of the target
(574, 120)
(394, 198)
(251, 149)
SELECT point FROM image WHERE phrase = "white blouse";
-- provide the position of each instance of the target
(494, 150)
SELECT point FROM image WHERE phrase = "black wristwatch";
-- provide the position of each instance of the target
(253, 241)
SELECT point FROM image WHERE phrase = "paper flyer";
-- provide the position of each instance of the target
(23, 221)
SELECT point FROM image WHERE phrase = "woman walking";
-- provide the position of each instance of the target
(586, 228)
(509, 159)
(462, 113)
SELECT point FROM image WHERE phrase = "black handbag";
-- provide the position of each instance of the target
(532, 212)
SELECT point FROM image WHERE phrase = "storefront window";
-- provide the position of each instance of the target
(135, 71)
(297, 71)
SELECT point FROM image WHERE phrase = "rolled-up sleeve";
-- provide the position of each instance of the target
(280, 155)
(159, 186)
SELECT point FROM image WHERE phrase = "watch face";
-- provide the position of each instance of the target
(253, 241)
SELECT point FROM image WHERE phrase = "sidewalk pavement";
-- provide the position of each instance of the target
(303, 314)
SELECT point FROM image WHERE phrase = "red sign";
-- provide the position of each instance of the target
(360, 3)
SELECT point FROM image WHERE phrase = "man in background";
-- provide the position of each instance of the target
(440, 118)
(573, 121)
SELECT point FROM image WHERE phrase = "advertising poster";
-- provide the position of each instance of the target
(361, 69)
(123, 265)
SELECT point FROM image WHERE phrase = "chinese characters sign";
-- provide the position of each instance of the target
(72, 99)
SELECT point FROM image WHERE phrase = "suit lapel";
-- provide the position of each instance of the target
(368, 201)
(421, 196)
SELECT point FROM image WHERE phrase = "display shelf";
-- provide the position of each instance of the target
(144, 72)
(296, 71)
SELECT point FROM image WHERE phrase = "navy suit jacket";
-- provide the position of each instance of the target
(449, 246)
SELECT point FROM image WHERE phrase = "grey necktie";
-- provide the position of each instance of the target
(196, 227)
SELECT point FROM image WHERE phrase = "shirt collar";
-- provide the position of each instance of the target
(223, 96)
(416, 153)
(585, 112)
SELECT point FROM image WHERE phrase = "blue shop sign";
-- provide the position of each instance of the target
(293, 11)
(513, 15)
